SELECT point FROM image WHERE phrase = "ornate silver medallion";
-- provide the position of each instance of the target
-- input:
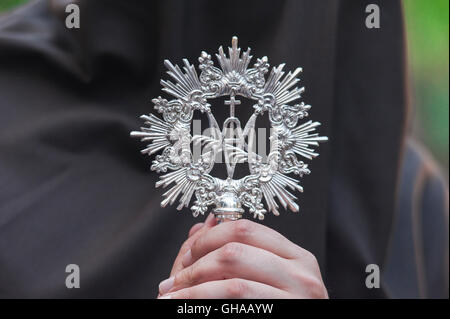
(268, 177)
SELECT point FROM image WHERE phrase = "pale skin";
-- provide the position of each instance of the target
(241, 259)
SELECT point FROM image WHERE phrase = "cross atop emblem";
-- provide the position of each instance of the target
(232, 102)
(232, 135)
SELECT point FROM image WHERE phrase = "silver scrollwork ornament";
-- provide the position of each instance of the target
(189, 176)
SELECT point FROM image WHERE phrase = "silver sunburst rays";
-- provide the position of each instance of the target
(189, 175)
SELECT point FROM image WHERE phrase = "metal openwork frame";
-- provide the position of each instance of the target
(172, 134)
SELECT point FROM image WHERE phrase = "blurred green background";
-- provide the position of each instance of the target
(8, 4)
(427, 34)
(427, 37)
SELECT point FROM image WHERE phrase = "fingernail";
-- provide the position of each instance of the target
(209, 218)
(187, 258)
(167, 296)
(166, 285)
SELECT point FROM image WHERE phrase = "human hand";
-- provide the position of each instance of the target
(242, 259)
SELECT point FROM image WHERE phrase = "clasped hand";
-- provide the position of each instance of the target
(241, 259)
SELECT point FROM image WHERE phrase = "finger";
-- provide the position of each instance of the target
(236, 260)
(242, 231)
(195, 228)
(229, 289)
(177, 265)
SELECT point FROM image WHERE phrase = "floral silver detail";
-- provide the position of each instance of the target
(189, 176)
